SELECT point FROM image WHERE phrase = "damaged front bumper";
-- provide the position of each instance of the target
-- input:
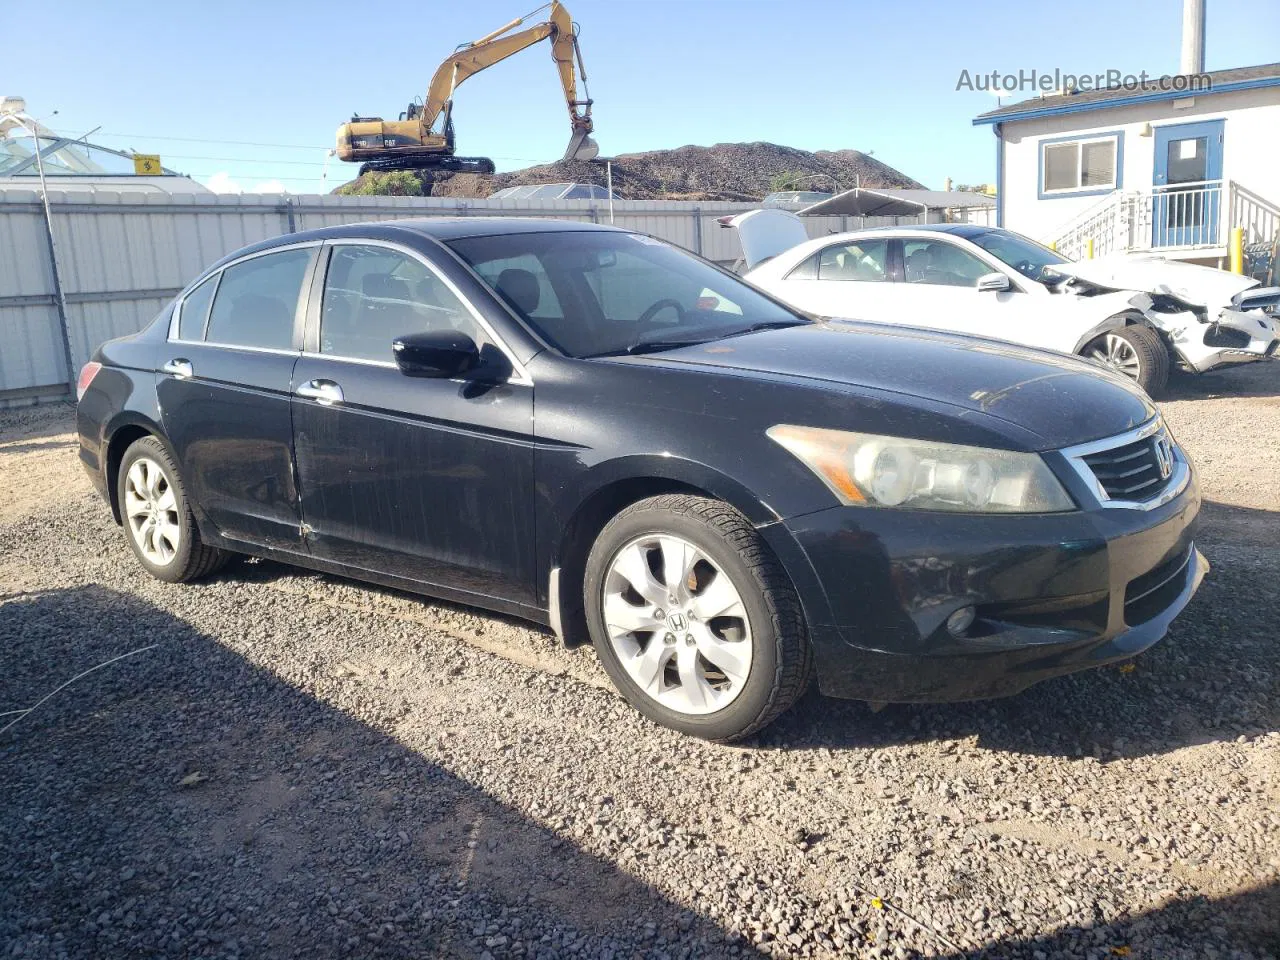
(1233, 337)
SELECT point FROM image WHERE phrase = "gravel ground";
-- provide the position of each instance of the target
(299, 765)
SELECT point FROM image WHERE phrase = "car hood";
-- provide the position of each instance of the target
(1061, 400)
(1197, 285)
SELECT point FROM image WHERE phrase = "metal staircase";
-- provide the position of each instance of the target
(1185, 220)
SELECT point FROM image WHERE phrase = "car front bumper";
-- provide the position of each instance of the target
(1053, 594)
(1235, 337)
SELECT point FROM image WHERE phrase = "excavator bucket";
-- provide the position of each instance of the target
(581, 146)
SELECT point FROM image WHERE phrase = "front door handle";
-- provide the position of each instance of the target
(324, 392)
(180, 368)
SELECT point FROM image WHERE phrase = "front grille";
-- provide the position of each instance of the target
(1136, 471)
(1149, 595)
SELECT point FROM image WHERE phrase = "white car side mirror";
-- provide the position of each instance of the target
(994, 282)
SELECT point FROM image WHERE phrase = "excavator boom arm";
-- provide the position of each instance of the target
(501, 44)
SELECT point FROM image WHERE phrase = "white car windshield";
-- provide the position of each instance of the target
(1029, 258)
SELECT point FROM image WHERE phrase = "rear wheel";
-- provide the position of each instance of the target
(157, 519)
(1137, 352)
(694, 619)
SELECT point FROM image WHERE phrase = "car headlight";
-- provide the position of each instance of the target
(871, 470)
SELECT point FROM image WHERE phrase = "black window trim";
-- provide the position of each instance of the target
(311, 334)
(300, 309)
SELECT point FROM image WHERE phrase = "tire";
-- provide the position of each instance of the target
(732, 673)
(1136, 351)
(157, 519)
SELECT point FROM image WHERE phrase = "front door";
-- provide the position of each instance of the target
(1187, 184)
(224, 389)
(428, 480)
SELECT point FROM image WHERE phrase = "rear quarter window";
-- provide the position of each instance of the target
(195, 310)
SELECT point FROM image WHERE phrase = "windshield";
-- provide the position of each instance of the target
(598, 293)
(1026, 256)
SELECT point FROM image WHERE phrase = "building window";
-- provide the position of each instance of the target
(1079, 165)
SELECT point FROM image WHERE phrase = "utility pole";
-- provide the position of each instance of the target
(1192, 37)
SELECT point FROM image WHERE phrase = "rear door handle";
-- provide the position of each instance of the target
(180, 368)
(324, 392)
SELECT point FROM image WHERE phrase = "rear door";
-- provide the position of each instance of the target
(429, 480)
(852, 278)
(224, 389)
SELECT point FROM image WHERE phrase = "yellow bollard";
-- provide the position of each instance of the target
(1053, 245)
(1088, 249)
(1237, 250)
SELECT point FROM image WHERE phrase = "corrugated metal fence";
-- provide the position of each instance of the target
(123, 254)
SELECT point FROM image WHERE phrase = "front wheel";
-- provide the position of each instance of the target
(1137, 352)
(694, 619)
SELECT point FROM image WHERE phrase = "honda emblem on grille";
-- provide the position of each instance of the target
(1164, 457)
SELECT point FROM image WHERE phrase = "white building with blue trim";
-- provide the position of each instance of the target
(1161, 166)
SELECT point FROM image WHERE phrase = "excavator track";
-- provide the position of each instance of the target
(430, 162)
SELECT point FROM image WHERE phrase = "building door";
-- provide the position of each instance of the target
(1187, 195)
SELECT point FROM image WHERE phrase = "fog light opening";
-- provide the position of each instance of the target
(958, 623)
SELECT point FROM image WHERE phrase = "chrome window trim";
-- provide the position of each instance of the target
(234, 346)
(1178, 478)
(520, 375)
(177, 312)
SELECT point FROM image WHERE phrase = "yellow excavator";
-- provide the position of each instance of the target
(414, 143)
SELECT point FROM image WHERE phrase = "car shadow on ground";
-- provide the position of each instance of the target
(1259, 379)
(1248, 920)
(1213, 677)
(186, 802)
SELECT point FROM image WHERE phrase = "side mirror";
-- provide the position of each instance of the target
(442, 354)
(994, 283)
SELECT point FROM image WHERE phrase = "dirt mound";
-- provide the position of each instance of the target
(726, 171)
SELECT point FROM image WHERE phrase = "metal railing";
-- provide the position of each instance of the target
(1181, 216)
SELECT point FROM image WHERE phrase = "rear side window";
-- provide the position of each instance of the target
(257, 300)
(195, 310)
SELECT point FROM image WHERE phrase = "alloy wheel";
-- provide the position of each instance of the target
(1117, 352)
(151, 510)
(677, 624)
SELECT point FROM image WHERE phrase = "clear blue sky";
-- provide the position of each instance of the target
(186, 80)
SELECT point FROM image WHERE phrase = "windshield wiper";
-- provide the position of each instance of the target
(766, 325)
(649, 346)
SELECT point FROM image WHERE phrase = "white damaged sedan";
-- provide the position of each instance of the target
(1141, 315)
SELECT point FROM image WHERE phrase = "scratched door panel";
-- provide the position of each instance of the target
(431, 480)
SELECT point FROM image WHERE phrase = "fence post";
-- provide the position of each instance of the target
(697, 230)
(59, 296)
(291, 225)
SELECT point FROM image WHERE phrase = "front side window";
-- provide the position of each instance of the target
(596, 293)
(257, 300)
(374, 294)
(865, 260)
(1079, 165)
(195, 310)
(939, 263)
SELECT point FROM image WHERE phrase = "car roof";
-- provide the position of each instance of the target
(955, 229)
(411, 228)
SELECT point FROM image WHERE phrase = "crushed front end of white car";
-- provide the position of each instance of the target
(1210, 318)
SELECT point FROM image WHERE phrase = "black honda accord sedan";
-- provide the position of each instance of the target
(591, 429)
